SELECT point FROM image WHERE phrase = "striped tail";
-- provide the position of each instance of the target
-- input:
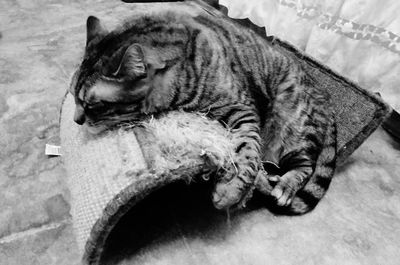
(308, 197)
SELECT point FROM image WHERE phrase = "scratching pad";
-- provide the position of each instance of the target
(110, 173)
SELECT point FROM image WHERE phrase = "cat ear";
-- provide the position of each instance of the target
(94, 29)
(132, 64)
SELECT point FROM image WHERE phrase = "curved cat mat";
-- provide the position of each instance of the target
(109, 173)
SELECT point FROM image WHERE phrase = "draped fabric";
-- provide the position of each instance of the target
(360, 39)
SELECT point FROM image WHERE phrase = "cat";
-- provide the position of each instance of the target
(169, 60)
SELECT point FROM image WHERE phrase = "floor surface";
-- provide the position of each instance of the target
(41, 42)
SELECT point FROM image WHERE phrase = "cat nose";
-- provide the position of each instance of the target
(79, 116)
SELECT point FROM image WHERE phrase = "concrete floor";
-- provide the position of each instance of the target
(41, 41)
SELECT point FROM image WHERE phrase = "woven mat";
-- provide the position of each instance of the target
(109, 174)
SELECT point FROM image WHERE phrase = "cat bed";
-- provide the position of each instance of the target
(114, 173)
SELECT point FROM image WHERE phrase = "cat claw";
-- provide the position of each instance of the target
(277, 193)
(273, 178)
(283, 198)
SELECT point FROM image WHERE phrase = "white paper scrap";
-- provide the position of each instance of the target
(53, 150)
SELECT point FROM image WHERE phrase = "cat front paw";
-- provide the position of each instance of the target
(285, 190)
(283, 196)
(273, 186)
(227, 195)
(232, 190)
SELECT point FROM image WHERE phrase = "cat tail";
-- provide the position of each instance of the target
(308, 197)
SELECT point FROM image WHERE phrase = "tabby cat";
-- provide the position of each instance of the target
(175, 61)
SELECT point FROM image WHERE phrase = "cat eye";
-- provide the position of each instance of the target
(107, 77)
(95, 105)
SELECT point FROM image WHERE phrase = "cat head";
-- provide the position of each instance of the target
(116, 79)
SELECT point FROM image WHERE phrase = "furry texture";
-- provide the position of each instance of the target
(157, 63)
(177, 138)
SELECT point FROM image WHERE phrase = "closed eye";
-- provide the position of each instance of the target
(94, 105)
(109, 77)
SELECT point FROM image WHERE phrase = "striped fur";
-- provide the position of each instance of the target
(171, 61)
